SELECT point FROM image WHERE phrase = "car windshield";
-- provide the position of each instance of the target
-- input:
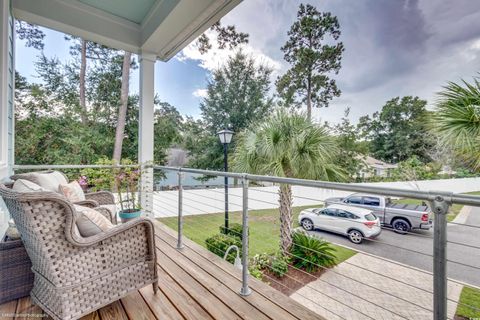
(370, 217)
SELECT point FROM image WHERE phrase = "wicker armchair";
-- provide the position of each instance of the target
(73, 275)
(92, 199)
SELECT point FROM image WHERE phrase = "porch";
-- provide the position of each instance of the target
(194, 284)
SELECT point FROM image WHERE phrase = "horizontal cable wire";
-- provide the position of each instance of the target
(464, 244)
(202, 225)
(320, 201)
(342, 289)
(465, 225)
(315, 302)
(354, 280)
(222, 249)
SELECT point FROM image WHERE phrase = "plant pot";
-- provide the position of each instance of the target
(129, 214)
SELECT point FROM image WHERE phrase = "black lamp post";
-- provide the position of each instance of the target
(225, 136)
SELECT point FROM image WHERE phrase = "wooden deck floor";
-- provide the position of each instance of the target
(194, 284)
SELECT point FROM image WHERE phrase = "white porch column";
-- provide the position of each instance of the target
(7, 74)
(145, 129)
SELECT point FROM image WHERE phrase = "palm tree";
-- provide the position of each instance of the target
(287, 145)
(457, 120)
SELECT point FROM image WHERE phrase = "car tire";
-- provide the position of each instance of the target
(355, 236)
(401, 226)
(307, 224)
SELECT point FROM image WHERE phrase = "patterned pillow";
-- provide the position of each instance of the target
(72, 191)
(91, 222)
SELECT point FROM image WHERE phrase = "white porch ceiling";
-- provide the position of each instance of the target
(158, 27)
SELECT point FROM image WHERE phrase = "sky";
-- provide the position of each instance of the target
(392, 48)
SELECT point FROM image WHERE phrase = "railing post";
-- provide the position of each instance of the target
(180, 210)
(440, 207)
(245, 291)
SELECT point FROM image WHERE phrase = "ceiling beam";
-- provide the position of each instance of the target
(78, 19)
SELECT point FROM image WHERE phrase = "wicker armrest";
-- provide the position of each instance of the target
(87, 203)
(140, 223)
(102, 197)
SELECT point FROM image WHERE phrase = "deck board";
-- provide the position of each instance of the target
(193, 284)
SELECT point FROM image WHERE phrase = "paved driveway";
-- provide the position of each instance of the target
(416, 251)
(364, 287)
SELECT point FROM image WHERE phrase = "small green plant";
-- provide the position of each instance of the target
(255, 272)
(234, 229)
(219, 244)
(311, 253)
(279, 266)
(261, 260)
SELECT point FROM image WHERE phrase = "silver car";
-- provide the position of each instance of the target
(356, 223)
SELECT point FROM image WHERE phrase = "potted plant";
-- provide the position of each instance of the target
(127, 187)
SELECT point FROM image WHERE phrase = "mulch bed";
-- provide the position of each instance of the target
(292, 281)
(457, 317)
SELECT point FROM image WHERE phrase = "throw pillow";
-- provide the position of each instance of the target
(72, 191)
(22, 185)
(91, 222)
(50, 180)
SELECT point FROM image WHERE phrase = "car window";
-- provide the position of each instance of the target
(353, 216)
(371, 201)
(354, 200)
(330, 212)
(370, 217)
(343, 214)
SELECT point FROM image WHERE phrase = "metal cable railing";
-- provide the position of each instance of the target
(202, 202)
(182, 206)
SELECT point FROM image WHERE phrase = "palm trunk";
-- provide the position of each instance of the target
(286, 218)
(122, 112)
(83, 68)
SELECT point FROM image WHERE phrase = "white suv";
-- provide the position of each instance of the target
(356, 223)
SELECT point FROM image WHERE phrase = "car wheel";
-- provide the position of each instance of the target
(307, 224)
(401, 226)
(355, 236)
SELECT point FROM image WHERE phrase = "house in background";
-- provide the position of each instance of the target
(374, 168)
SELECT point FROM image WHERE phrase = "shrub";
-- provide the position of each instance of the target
(219, 244)
(261, 260)
(256, 273)
(279, 266)
(311, 253)
(234, 229)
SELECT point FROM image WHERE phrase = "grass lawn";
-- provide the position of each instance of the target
(470, 297)
(454, 209)
(264, 229)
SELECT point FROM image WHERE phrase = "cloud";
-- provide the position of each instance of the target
(216, 57)
(392, 48)
(200, 93)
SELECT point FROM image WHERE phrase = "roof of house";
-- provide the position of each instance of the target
(375, 163)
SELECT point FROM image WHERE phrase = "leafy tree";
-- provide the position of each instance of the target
(31, 33)
(399, 131)
(350, 148)
(226, 36)
(237, 96)
(167, 130)
(312, 58)
(457, 120)
(287, 145)
(413, 170)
